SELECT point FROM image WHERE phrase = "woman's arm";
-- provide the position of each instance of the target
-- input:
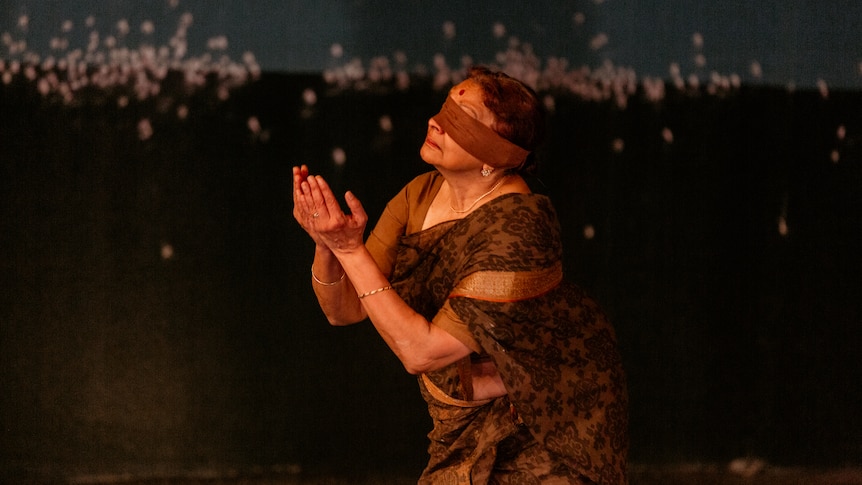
(334, 291)
(419, 345)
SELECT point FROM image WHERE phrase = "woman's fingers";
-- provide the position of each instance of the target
(356, 210)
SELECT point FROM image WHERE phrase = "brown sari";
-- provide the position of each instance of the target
(564, 419)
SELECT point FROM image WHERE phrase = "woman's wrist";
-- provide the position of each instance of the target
(326, 283)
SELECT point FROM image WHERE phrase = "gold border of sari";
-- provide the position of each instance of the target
(506, 286)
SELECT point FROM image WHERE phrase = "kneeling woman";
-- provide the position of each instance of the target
(462, 277)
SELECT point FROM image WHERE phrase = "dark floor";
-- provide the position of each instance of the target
(699, 474)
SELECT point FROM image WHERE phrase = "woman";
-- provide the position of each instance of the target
(462, 278)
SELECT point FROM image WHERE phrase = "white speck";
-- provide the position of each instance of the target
(336, 51)
(386, 123)
(599, 41)
(339, 157)
(700, 60)
(835, 156)
(218, 43)
(782, 226)
(147, 27)
(589, 232)
(667, 135)
(90, 21)
(145, 129)
(182, 111)
(746, 467)
(823, 88)
(254, 125)
(618, 145)
(499, 30)
(67, 26)
(842, 132)
(550, 103)
(309, 97)
(579, 18)
(756, 70)
(23, 22)
(697, 40)
(167, 251)
(448, 30)
(122, 27)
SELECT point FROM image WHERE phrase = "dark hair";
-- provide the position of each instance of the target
(519, 113)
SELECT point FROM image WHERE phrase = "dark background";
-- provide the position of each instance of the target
(738, 340)
(156, 315)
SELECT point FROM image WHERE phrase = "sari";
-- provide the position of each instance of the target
(494, 281)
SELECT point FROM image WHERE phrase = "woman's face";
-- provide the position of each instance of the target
(440, 149)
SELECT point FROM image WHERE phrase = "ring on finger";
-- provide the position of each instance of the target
(315, 215)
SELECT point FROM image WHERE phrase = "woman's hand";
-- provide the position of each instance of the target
(318, 211)
(301, 211)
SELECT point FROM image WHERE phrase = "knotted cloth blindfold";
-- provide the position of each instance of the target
(477, 139)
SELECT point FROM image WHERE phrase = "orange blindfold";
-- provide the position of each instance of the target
(477, 139)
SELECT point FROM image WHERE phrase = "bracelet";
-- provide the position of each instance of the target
(324, 283)
(378, 290)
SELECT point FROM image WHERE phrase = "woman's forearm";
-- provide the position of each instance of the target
(418, 344)
(334, 290)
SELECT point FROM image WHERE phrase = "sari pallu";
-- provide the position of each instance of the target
(565, 415)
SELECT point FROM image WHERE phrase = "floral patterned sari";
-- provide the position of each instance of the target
(564, 419)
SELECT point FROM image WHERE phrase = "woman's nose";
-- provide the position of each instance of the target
(432, 123)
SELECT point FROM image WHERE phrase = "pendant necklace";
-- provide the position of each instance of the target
(495, 187)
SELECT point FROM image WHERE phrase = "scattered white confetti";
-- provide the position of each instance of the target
(167, 251)
(756, 69)
(336, 51)
(218, 43)
(309, 97)
(782, 226)
(499, 30)
(385, 123)
(823, 88)
(123, 27)
(579, 18)
(448, 30)
(339, 157)
(254, 125)
(667, 135)
(145, 129)
(599, 41)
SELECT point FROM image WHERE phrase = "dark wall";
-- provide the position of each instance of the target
(157, 314)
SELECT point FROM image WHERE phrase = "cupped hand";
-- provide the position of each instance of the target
(318, 211)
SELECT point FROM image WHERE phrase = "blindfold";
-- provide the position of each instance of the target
(477, 139)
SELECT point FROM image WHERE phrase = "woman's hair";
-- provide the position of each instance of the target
(519, 113)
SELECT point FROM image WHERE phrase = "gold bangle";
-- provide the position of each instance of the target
(324, 283)
(372, 292)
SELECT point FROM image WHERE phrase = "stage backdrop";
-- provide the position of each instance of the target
(157, 314)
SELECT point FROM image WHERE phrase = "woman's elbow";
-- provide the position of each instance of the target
(416, 366)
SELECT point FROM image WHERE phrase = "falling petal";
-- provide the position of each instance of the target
(448, 30)
(339, 157)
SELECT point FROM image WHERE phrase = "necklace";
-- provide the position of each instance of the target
(486, 194)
